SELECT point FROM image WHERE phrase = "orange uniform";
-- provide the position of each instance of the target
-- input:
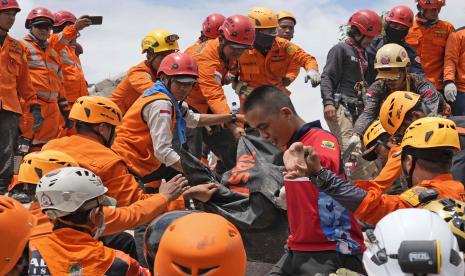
(133, 141)
(70, 252)
(116, 219)
(430, 44)
(454, 63)
(104, 162)
(208, 94)
(15, 81)
(138, 79)
(376, 205)
(282, 61)
(194, 48)
(74, 81)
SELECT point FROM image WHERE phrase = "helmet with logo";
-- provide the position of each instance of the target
(160, 40)
(212, 24)
(9, 5)
(371, 138)
(201, 244)
(39, 15)
(412, 242)
(95, 110)
(391, 55)
(37, 164)
(179, 64)
(367, 22)
(401, 14)
(431, 4)
(394, 109)
(263, 18)
(62, 17)
(16, 223)
(239, 30)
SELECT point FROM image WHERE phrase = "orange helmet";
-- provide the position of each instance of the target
(95, 110)
(201, 244)
(16, 224)
(37, 164)
(394, 108)
(263, 18)
(431, 4)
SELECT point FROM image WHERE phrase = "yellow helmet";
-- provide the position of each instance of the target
(373, 132)
(37, 164)
(95, 110)
(263, 18)
(159, 41)
(452, 211)
(391, 55)
(394, 108)
(286, 14)
(431, 132)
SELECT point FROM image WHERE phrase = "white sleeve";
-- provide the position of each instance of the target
(192, 118)
(158, 116)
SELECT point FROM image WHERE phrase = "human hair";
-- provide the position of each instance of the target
(437, 160)
(269, 98)
(353, 31)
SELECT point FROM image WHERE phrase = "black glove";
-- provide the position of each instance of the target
(64, 110)
(37, 116)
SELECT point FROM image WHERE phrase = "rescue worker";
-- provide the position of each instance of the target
(218, 65)
(74, 81)
(398, 22)
(454, 71)
(428, 36)
(210, 30)
(428, 147)
(73, 199)
(286, 24)
(324, 236)
(376, 143)
(342, 80)
(272, 60)
(16, 225)
(179, 252)
(45, 68)
(144, 140)
(392, 63)
(17, 95)
(156, 45)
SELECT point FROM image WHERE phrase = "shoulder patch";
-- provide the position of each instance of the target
(412, 196)
(291, 49)
(53, 52)
(328, 144)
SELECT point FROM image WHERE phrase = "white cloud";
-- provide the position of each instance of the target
(115, 46)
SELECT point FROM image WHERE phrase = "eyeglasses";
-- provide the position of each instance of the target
(42, 26)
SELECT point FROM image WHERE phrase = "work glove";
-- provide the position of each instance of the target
(450, 91)
(314, 77)
(64, 110)
(37, 117)
(22, 148)
(241, 89)
(355, 139)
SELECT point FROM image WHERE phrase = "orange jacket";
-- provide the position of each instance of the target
(74, 81)
(454, 63)
(209, 93)
(15, 81)
(70, 252)
(191, 50)
(133, 141)
(116, 219)
(390, 172)
(104, 162)
(138, 79)
(282, 61)
(376, 205)
(430, 44)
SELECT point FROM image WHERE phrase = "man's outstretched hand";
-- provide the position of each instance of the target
(300, 161)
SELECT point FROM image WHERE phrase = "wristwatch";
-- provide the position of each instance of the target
(233, 118)
(318, 178)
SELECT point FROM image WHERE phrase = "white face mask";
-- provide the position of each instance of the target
(101, 226)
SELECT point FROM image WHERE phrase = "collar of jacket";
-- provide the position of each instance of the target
(425, 22)
(42, 43)
(302, 131)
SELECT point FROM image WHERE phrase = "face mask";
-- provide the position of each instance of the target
(394, 35)
(101, 224)
(264, 40)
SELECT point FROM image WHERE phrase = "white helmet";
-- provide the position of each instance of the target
(410, 241)
(65, 190)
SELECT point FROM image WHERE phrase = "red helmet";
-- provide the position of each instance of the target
(9, 5)
(177, 64)
(62, 17)
(41, 14)
(431, 4)
(238, 29)
(212, 24)
(401, 14)
(367, 21)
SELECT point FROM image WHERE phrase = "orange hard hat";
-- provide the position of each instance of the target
(201, 244)
(394, 109)
(16, 224)
(95, 110)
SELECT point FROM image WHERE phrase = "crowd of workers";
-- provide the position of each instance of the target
(77, 171)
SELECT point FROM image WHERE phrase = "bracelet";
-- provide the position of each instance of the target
(318, 173)
(233, 118)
